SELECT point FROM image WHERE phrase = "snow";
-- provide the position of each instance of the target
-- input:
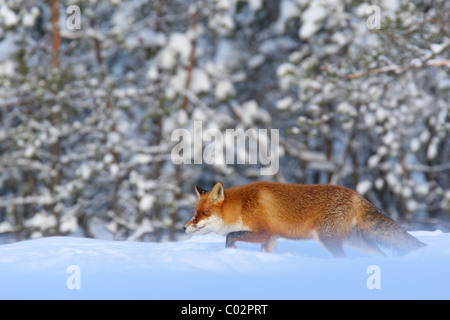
(41, 221)
(201, 268)
(6, 68)
(364, 186)
(5, 227)
(199, 83)
(8, 16)
(147, 38)
(29, 18)
(224, 90)
(311, 19)
(284, 103)
(223, 24)
(179, 45)
(288, 10)
(433, 148)
(249, 112)
(147, 202)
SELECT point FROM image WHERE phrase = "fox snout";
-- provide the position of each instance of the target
(189, 228)
(194, 226)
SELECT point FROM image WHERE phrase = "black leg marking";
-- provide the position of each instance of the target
(232, 237)
(264, 238)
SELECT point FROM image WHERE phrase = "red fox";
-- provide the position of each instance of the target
(261, 212)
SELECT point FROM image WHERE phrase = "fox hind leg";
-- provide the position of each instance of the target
(357, 239)
(333, 245)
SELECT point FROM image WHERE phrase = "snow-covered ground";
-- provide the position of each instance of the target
(201, 268)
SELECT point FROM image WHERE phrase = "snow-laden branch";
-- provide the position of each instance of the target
(426, 61)
(43, 199)
(401, 69)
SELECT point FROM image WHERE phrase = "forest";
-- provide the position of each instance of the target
(112, 111)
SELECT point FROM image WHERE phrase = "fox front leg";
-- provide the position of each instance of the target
(266, 240)
(233, 237)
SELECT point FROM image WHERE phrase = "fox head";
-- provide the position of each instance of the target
(208, 211)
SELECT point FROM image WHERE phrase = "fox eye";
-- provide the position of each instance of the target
(201, 213)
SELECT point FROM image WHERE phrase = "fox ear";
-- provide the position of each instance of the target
(200, 191)
(217, 194)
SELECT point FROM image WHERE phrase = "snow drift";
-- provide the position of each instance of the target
(201, 268)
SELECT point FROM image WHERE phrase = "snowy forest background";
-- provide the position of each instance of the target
(87, 112)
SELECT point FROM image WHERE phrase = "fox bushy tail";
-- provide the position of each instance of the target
(379, 229)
